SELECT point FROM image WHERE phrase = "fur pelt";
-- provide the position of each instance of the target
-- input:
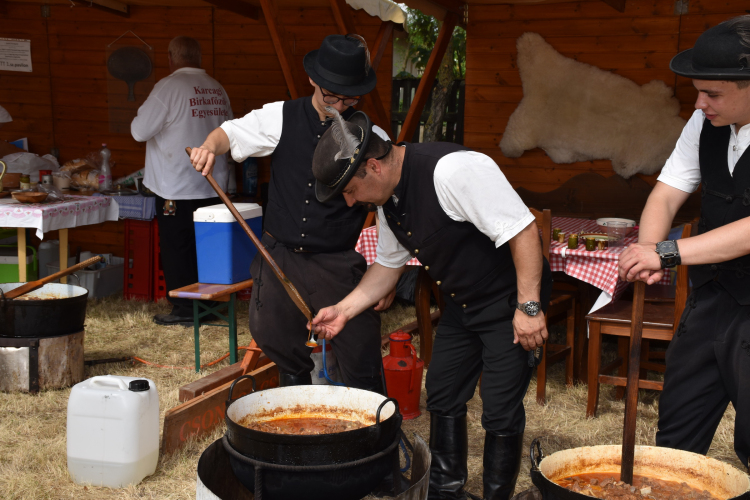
(577, 112)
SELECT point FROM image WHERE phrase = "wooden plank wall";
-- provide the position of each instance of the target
(63, 103)
(637, 44)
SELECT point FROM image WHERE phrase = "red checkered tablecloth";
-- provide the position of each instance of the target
(367, 245)
(599, 267)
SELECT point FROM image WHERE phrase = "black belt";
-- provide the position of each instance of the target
(293, 249)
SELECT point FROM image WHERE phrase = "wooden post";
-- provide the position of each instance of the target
(631, 399)
(22, 255)
(63, 236)
(278, 36)
(345, 23)
(430, 71)
(381, 43)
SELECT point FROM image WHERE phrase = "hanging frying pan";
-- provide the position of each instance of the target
(131, 65)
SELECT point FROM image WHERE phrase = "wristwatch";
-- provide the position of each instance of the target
(531, 308)
(669, 254)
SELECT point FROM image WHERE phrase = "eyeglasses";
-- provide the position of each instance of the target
(333, 99)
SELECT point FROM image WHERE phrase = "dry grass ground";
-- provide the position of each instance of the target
(32, 427)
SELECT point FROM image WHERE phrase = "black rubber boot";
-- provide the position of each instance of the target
(289, 380)
(449, 446)
(502, 461)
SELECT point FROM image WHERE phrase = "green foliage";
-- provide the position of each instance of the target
(422, 34)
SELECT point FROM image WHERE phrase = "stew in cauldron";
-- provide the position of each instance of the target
(608, 486)
(301, 426)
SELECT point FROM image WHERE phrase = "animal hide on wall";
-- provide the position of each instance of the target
(577, 112)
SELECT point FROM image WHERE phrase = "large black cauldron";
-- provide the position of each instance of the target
(344, 465)
(56, 309)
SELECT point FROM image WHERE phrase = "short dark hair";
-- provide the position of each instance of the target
(377, 148)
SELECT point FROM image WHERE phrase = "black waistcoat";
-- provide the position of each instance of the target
(293, 215)
(725, 198)
(462, 260)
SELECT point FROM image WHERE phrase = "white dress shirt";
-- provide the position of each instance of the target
(682, 170)
(470, 187)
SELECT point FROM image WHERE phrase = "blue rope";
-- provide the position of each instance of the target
(325, 368)
(406, 455)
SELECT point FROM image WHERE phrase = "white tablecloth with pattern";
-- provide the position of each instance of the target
(75, 211)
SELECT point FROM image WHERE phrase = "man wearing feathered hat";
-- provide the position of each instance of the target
(708, 361)
(453, 209)
(312, 242)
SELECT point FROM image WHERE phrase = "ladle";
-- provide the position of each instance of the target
(288, 286)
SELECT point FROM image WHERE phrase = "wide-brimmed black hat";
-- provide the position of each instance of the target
(331, 175)
(717, 55)
(340, 66)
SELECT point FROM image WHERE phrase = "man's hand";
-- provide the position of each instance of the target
(530, 331)
(329, 322)
(386, 301)
(640, 262)
(202, 159)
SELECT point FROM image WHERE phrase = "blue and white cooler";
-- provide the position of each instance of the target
(224, 250)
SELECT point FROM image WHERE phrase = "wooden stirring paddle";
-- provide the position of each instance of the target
(288, 286)
(631, 398)
(33, 285)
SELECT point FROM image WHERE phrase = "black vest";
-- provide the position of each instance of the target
(463, 261)
(294, 216)
(725, 198)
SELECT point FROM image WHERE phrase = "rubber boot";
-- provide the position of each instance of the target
(502, 461)
(289, 380)
(449, 446)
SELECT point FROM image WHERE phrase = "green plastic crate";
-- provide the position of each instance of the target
(9, 264)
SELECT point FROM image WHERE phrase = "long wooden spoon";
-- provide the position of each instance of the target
(631, 399)
(288, 286)
(33, 285)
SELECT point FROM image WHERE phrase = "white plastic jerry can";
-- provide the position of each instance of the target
(113, 430)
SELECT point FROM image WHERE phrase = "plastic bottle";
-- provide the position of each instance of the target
(105, 173)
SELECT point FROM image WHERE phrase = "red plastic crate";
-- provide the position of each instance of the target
(159, 285)
(139, 260)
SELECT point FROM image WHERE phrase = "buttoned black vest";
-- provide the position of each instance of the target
(294, 216)
(725, 198)
(463, 261)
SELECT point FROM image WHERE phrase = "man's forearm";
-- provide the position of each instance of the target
(659, 212)
(526, 250)
(217, 142)
(377, 282)
(720, 245)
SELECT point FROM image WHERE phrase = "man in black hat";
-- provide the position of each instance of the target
(708, 361)
(453, 209)
(312, 242)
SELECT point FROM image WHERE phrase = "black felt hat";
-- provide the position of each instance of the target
(331, 175)
(340, 66)
(717, 55)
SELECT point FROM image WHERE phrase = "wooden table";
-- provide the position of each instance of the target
(226, 295)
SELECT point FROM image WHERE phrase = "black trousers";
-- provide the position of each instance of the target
(177, 244)
(322, 279)
(467, 345)
(708, 366)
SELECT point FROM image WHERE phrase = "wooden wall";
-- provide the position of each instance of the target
(62, 104)
(637, 44)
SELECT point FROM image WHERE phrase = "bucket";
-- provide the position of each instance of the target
(113, 431)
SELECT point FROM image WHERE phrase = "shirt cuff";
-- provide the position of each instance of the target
(677, 183)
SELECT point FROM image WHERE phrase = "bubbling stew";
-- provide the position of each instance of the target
(608, 486)
(302, 426)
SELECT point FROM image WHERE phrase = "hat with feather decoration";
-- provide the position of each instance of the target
(339, 153)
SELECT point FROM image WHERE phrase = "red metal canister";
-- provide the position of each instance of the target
(403, 374)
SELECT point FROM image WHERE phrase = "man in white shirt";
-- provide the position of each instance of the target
(181, 110)
(453, 209)
(708, 361)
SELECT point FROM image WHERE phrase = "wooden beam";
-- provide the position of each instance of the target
(430, 72)
(278, 36)
(618, 5)
(381, 43)
(345, 22)
(238, 7)
(112, 6)
(454, 6)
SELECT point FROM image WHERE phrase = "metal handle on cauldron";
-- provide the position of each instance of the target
(377, 414)
(231, 388)
(537, 458)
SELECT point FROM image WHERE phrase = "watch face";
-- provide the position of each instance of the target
(531, 308)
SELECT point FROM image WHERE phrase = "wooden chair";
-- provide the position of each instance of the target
(660, 320)
(561, 303)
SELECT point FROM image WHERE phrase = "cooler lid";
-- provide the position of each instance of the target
(220, 213)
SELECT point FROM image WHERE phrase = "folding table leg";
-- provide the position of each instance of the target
(196, 334)
(232, 320)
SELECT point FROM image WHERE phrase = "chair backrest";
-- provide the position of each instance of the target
(544, 223)
(682, 282)
(370, 220)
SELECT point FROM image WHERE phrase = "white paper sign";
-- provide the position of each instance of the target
(15, 55)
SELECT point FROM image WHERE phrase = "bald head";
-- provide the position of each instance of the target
(184, 52)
